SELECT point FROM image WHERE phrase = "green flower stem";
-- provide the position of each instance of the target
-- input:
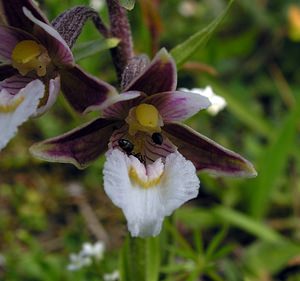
(133, 265)
(137, 252)
(140, 259)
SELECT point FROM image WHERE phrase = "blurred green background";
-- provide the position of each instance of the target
(237, 229)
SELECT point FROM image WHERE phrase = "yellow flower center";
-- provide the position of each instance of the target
(147, 115)
(9, 107)
(148, 183)
(144, 118)
(28, 55)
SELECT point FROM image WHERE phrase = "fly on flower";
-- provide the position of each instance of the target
(35, 62)
(152, 159)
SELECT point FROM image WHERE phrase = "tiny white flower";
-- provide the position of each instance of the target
(148, 193)
(217, 102)
(93, 250)
(77, 261)
(97, 4)
(114, 276)
(87, 254)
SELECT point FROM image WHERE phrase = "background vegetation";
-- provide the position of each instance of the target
(237, 229)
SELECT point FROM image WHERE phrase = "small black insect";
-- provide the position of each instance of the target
(157, 138)
(126, 145)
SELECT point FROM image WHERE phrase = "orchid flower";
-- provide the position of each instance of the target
(152, 159)
(35, 60)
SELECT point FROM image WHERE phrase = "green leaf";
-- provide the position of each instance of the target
(242, 111)
(272, 164)
(182, 52)
(247, 224)
(269, 258)
(215, 243)
(87, 49)
(127, 4)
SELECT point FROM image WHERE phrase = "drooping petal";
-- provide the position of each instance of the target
(9, 38)
(120, 108)
(148, 194)
(206, 154)
(12, 13)
(15, 83)
(6, 71)
(50, 96)
(84, 92)
(177, 106)
(159, 76)
(80, 146)
(16, 109)
(56, 46)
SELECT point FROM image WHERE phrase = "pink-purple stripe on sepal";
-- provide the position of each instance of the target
(80, 146)
(83, 91)
(159, 76)
(124, 102)
(177, 105)
(207, 154)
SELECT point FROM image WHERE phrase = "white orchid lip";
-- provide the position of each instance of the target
(11, 105)
(16, 109)
(148, 192)
(145, 177)
(29, 55)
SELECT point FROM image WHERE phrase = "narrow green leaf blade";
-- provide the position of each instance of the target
(127, 4)
(268, 258)
(247, 224)
(182, 52)
(243, 112)
(215, 243)
(272, 164)
(87, 49)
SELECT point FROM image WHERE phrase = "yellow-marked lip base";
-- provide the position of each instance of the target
(12, 106)
(149, 183)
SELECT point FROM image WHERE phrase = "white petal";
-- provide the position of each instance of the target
(159, 190)
(54, 89)
(217, 102)
(29, 100)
